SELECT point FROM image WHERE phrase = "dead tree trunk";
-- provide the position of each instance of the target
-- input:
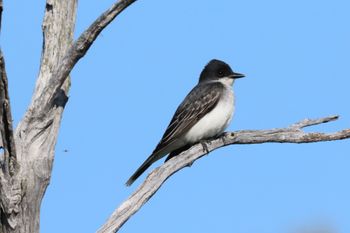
(28, 152)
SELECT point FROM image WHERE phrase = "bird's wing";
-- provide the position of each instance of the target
(201, 100)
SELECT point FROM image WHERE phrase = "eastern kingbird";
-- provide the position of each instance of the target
(204, 113)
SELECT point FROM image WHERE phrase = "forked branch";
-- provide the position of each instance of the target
(291, 134)
(77, 51)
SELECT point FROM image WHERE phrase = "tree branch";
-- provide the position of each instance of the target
(7, 142)
(6, 131)
(1, 8)
(9, 185)
(77, 51)
(291, 134)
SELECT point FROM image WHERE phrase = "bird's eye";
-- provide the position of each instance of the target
(221, 73)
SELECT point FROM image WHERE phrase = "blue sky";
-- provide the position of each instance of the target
(295, 55)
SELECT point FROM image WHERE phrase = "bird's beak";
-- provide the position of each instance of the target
(237, 75)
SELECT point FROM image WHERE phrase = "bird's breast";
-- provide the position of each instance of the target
(214, 122)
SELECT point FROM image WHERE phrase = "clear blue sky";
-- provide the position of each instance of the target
(295, 55)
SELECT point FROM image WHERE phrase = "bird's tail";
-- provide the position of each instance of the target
(149, 161)
(139, 172)
(157, 154)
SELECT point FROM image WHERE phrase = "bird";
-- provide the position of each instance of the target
(204, 114)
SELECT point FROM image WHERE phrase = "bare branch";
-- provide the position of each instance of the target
(77, 51)
(6, 131)
(291, 134)
(58, 28)
(2, 73)
(9, 185)
(310, 122)
(1, 7)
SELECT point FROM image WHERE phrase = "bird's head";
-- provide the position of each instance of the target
(217, 70)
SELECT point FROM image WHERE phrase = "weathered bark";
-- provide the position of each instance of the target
(36, 134)
(26, 167)
(291, 134)
(9, 185)
(7, 141)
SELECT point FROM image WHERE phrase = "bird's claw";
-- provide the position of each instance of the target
(205, 146)
(224, 135)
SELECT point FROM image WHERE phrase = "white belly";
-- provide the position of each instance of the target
(215, 122)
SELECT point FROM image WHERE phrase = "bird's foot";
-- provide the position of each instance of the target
(205, 146)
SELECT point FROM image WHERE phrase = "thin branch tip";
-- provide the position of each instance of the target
(332, 118)
(316, 121)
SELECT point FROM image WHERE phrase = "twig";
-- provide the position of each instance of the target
(291, 134)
